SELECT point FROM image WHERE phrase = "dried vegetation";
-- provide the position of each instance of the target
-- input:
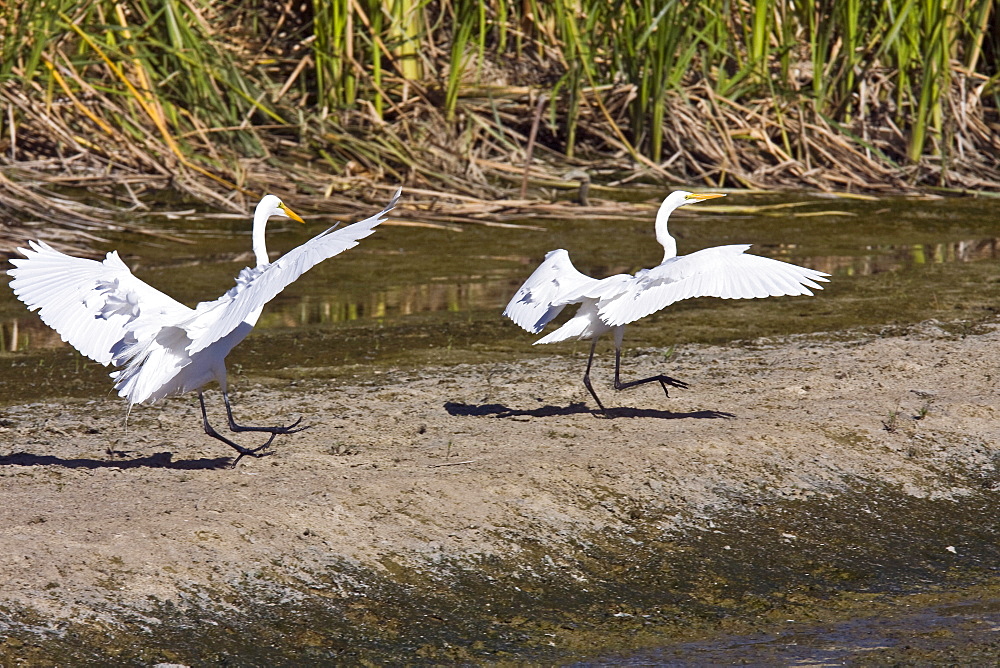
(483, 110)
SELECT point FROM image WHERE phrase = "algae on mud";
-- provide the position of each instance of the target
(778, 571)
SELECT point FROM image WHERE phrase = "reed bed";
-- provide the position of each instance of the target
(483, 106)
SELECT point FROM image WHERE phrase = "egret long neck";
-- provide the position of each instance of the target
(667, 241)
(260, 217)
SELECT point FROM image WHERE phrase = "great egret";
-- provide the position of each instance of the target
(611, 303)
(162, 346)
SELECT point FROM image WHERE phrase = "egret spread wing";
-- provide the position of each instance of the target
(257, 286)
(553, 285)
(93, 305)
(724, 271)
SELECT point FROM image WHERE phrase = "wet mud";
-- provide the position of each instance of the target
(483, 512)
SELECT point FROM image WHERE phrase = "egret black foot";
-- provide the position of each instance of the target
(255, 452)
(664, 382)
(290, 429)
(244, 451)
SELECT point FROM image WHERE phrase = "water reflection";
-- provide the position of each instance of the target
(462, 291)
(27, 333)
(896, 257)
(458, 296)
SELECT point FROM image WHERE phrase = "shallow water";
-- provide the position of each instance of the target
(401, 272)
(410, 295)
(962, 630)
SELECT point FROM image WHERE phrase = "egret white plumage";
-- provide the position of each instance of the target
(611, 303)
(161, 346)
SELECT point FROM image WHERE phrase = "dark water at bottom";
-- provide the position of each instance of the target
(960, 632)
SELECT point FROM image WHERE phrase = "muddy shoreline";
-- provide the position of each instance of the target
(482, 512)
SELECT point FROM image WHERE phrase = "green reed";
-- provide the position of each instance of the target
(151, 62)
(175, 66)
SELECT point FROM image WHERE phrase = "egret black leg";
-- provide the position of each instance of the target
(290, 429)
(661, 379)
(253, 452)
(586, 378)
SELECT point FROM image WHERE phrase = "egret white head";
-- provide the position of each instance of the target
(675, 200)
(270, 205)
(680, 198)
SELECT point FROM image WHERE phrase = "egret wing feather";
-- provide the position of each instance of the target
(553, 285)
(601, 289)
(93, 305)
(724, 271)
(256, 286)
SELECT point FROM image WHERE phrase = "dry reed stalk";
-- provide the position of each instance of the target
(98, 108)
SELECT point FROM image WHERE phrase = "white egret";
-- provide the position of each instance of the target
(611, 303)
(161, 346)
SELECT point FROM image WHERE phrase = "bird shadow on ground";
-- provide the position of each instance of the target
(501, 411)
(161, 460)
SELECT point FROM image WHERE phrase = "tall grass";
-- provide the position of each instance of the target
(215, 89)
(152, 76)
(837, 59)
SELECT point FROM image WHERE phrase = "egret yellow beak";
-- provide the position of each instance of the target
(701, 197)
(291, 214)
